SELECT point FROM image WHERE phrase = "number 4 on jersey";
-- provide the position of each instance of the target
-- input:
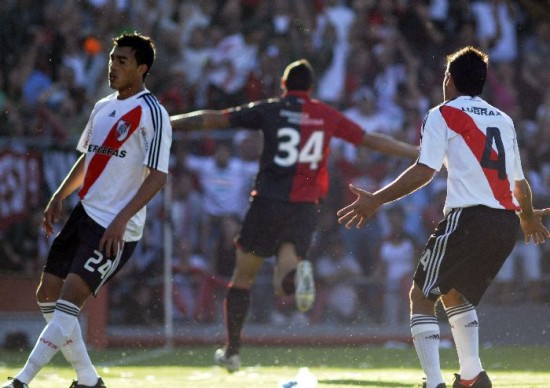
(499, 164)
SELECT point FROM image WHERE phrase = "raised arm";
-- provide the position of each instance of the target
(530, 219)
(200, 120)
(389, 145)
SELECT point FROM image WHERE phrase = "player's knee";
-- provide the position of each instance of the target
(453, 298)
(46, 293)
(419, 303)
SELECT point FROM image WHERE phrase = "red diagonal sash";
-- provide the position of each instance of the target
(123, 130)
(464, 125)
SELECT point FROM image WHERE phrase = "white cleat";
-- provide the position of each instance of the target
(305, 286)
(231, 363)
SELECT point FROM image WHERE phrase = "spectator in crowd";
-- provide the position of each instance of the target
(22, 246)
(519, 278)
(222, 180)
(339, 272)
(396, 259)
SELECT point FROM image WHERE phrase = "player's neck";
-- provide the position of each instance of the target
(130, 91)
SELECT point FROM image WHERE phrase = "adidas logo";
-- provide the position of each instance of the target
(113, 114)
(472, 324)
(435, 337)
(435, 291)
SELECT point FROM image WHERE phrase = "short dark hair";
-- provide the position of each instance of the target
(299, 75)
(468, 68)
(143, 46)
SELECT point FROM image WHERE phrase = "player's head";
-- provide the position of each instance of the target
(298, 76)
(142, 47)
(467, 70)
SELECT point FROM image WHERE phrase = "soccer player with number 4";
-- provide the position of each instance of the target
(125, 150)
(292, 180)
(488, 200)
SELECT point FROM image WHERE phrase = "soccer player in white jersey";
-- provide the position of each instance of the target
(124, 163)
(488, 198)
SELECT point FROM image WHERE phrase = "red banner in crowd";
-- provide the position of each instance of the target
(20, 182)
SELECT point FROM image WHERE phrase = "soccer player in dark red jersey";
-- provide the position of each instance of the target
(488, 199)
(292, 179)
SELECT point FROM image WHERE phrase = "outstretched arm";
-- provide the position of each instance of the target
(530, 219)
(389, 145)
(366, 204)
(200, 120)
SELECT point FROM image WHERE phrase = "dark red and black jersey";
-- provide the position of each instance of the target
(297, 131)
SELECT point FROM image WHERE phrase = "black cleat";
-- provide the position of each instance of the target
(99, 384)
(480, 381)
(14, 383)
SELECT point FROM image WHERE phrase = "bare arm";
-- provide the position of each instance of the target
(530, 219)
(389, 145)
(54, 209)
(366, 204)
(114, 234)
(200, 120)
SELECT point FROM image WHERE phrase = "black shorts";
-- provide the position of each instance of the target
(466, 251)
(75, 250)
(269, 223)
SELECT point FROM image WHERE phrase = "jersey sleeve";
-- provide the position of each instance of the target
(248, 116)
(157, 154)
(347, 129)
(433, 141)
(84, 140)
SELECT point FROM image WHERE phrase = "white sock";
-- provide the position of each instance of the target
(425, 334)
(465, 328)
(74, 350)
(54, 335)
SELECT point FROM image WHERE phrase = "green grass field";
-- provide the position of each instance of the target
(266, 367)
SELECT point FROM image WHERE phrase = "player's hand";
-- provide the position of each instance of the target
(360, 210)
(113, 238)
(533, 227)
(52, 215)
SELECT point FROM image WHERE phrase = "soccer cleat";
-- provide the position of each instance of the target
(305, 286)
(14, 383)
(231, 363)
(99, 384)
(442, 385)
(480, 381)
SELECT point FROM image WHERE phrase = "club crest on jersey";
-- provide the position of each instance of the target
(122, 130)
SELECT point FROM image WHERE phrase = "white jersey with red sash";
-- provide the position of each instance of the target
(122, 139)
(477, 143)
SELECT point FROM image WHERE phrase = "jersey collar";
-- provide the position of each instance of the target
(297, 93)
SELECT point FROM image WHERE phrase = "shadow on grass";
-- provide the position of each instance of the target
(362, 383)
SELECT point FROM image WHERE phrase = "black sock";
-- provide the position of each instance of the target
(236, 308)
(288, 283)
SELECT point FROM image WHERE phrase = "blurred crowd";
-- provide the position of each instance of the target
(379, 61)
